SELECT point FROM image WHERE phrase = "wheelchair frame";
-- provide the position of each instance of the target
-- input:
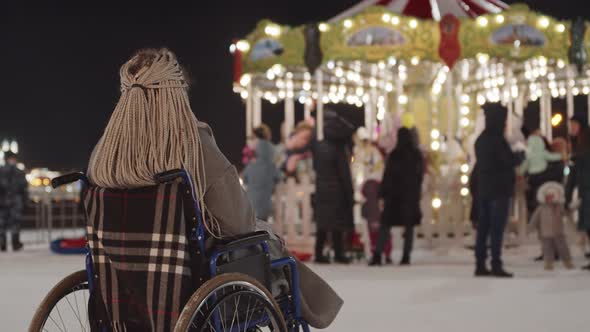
(198, 236)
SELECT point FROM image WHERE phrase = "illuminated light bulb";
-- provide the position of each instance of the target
(14, 147)
(560, 28)
(481, 99)
(575, 91)
(500, 19)
(543, 71)
(267, 95)
(539, 92)
(245, 79)
(464, 192)
(402, 99)
(560, 63)
(415, 60)
(542, 61)
(389, 87)
(465, 122)
(586, 90)
(290, 94)
(517, 43)
(339, 72)
(277, 69)
(280, 84)
(272, 30)
(543, 22)
(330, 65)
(552, 85)
(394, 20)
(413, 23)
(562, 91)
(270, 75)
(381, 65)
(551, 76)
(482, 58)
(232, 48)
(464, 110)
(306, 86)
(435, 145)
(554, 93)
(528, 75)
(436, 203)
(436, 88)
(244, 94)
(386, 17)
(360, 91)
(556, 119)
(482, 21)
(572, 83)
(302, 100)
(373, 82)
(347, 24)
(464, 179)
(487, 84)
(403, 76)
(500, 80)
(391, 61)
(465, 168)
(435, 134)
(243, 46)
(325, 99)
(282, 94)
(323, 27)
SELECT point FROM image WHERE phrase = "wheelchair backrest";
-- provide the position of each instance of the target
(144, 261)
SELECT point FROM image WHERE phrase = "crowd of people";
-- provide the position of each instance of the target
(392, 189)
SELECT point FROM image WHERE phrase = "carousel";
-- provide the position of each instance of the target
(432, 62)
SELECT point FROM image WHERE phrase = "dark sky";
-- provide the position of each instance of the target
(59, 77)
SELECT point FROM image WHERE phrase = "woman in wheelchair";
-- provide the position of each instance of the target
(153, 266)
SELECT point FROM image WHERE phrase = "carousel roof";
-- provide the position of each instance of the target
(429, 9)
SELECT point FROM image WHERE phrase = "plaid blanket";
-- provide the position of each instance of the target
(143, 274)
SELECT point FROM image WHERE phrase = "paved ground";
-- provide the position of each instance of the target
(436, 294)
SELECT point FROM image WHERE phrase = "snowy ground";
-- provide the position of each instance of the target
(436, 294)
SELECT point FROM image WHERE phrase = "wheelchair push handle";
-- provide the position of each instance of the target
(169, 176)
(67, 179)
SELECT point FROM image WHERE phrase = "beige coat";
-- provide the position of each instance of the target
(548, 220)
(226, 200)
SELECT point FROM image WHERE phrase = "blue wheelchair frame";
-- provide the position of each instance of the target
(199, 237)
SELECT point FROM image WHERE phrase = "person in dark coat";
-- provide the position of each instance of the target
(334, 199)
(496, 178)
(13, 197)
(401, 190)
(580, 171)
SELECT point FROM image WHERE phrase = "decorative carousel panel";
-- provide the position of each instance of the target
(377, 34)
(517, 34)
(272, 44)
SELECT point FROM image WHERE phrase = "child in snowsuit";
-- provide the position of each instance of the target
(548, 220)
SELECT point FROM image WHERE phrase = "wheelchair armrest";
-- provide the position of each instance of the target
(247, 240)
(67, 179)
(169, 176)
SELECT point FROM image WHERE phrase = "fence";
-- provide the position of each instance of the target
(442, 229)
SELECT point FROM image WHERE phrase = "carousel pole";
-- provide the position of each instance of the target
(289, 115)
(307, 109)
(320, 104)
(449, 93)
(570, 95)
(543, 115)
(257, 107)
(371, 106)
(399, 87)
(548, 115)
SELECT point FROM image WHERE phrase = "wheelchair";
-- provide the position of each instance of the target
(231, 291)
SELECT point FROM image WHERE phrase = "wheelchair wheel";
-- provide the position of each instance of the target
(231, 302)
(65, 308)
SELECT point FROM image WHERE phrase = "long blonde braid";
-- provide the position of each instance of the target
(151, 130)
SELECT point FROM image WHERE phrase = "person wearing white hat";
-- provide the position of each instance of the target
(548, 220)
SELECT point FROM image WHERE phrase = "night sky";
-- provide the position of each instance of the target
(59, 77)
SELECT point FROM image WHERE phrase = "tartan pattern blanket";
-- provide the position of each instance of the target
(141, 257)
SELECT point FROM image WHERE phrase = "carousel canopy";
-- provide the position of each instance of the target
(429, 9)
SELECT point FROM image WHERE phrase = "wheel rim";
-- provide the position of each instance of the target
(70, 312)
(235, 306)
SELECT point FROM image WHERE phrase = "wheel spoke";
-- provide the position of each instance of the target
(61, 319)
(75, 314)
